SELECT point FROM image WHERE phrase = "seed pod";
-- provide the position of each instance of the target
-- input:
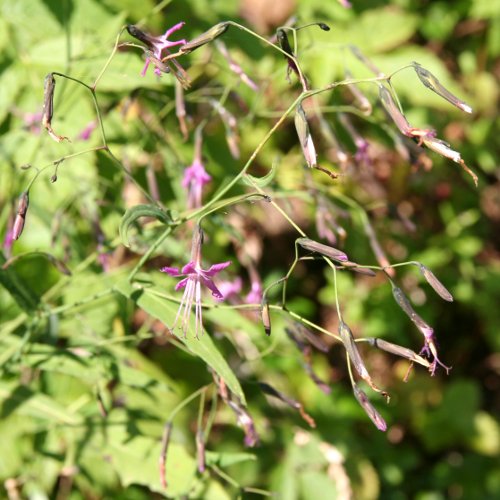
(165, 441)
(305, 138)
(140, 35)
(266, 317)
(370, 410)
(353, 266)
(432, 83)
(439, 288)
(271, 391)
(20, 219)
(207, 37)
(398, 350)
(393, 110)
(355, 357)
(200, 450)
(404, 303)
(48, 107)
(325, 250)
(360, 98)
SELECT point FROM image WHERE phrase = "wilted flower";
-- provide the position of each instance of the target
(157, 46)
(305, 137)
(194, 277)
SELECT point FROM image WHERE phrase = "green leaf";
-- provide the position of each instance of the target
(263, 181)
(226, 459)
(23, 295)
(203, 347)
(134, 213)
(24, 401)
(135, 459)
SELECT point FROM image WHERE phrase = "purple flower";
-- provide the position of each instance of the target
(194, 277)
(255, 294)
(158, 45)
(195, 177)
(85, 134)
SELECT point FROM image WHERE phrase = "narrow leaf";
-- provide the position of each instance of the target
(134, 213)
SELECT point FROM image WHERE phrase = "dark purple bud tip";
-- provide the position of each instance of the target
(53, 178)
(324, 26)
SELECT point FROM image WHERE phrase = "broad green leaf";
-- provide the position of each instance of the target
(134, 213)
(203, 347)
(225, 459)
(22, 400)
(135, 460)
(23, 295)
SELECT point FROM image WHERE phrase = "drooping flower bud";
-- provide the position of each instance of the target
(266, 317)
(325, 250)
(432, 83)
(305, 138)
(296, 405)
(200, 450)
(22, 209)
(398, 350)
(355, 357)
(162, 460)
(207, 37)
(370, 410)
(438, 287)
(48, 107)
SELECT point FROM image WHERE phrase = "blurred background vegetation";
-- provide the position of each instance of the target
(85, 391)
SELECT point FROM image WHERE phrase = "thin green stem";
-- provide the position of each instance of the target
(149, 252)
(185, 402)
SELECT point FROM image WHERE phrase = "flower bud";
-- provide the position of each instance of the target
(398, 350)
(370, 410)
(438, 287)
(432, 83)
(305, 137)
(20, 219)
(165, 441)
(325, 250)
(200, 450)
(207, 37)
(266, 317)
(48, 107)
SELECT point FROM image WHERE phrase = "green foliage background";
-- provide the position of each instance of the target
(57, 361)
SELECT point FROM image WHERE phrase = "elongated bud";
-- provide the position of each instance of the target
(314, 339)
(245, 420)
(180, 109)
(398, 350)
(325, 250)
(432, 83)
(393, 110)
(266, 317)
(162, 461)
(48, 107)
(235, 67)
(439, 288)
(360, 99)
(200, 450)
(271, 391)
(22, 209)
(140, 35)
(353, 266)
(355, 357)
(361, 57)
(305, 137)
(370, 410)
(207, 37)
(404, 303)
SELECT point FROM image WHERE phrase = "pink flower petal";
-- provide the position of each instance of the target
(181, 284)
(213, 270)
(172, 271)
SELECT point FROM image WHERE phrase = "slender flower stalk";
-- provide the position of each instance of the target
(193, 278)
